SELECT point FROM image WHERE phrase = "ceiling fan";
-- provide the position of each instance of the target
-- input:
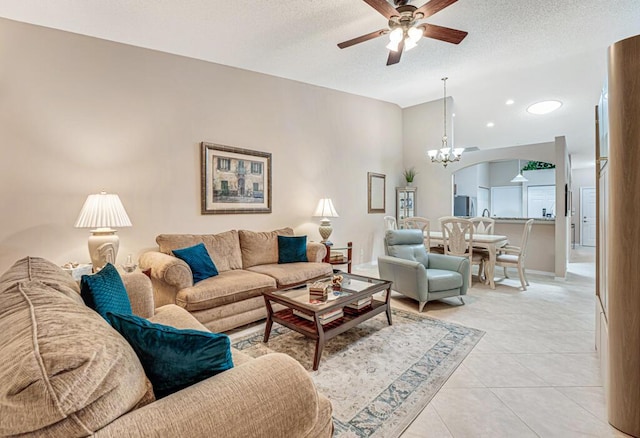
(404, 30)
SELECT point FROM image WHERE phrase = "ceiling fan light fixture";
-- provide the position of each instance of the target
(393, 46)
(409, 44)
(415, 33)
(395, 36)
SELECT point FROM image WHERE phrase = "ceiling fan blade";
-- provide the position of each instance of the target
(394, 57)
(362, 39)
(445, 34)
(430, 8)
(383, 7)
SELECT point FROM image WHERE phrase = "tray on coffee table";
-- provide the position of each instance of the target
(304, 314)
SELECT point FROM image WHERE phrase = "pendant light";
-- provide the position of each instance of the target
(447, 153)
(519, 178)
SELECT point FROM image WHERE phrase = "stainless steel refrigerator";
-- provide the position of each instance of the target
(464, 206)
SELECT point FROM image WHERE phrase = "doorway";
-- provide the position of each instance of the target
(588, 216)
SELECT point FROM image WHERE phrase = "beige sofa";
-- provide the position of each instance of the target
(247, 262)
(66, 373)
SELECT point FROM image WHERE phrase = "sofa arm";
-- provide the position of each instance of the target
(140, 293)
(168, 275)
(452, 263)
(271, 396)
(409, 277)
(316, 252)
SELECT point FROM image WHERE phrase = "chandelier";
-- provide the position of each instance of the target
(447, 153)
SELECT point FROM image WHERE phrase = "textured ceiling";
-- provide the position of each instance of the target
(516, 49)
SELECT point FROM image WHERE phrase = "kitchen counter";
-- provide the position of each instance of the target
(521, 220)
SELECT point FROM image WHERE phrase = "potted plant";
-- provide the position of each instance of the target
(409, 174)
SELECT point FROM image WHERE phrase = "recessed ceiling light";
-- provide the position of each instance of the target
(490, 125)
(509, 102)
(544, 107)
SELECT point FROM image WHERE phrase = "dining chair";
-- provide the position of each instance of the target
(418, 223)
(511, 256)
(390, 223)
(483, 225)
(457, 237)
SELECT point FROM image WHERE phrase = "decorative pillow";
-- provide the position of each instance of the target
(198, 260)
(292, 249)
(173, 358)
(104, 292)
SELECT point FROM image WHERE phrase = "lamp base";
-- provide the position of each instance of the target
(325, 231)
(103, 247)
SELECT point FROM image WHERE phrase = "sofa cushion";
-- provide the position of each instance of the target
(70, 373)
(174, 358)
(228, 287)
(37, 268)
(104, 292)
(199, 261)
(292, 249)
(224, 248)
(294, 273)
(260, 247)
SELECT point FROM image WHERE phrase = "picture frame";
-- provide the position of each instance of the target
(376, 192)
(234, 180)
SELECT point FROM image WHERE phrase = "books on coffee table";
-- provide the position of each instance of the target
(325, 318)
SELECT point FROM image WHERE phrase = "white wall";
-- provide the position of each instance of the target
(79, 115)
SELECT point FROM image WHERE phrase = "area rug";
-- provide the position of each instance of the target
(378, 377)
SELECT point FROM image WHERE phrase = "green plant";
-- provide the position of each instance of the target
(538, 165)
(409, 174)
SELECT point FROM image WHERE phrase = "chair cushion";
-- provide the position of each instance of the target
(439, 279)
(292, 249)
(198, 259)
(507, 258)
(174, 358)
(104, 292)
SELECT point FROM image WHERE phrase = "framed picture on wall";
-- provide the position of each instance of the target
(376, 186)
(234, 180)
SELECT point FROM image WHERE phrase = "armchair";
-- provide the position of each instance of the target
(420, 275)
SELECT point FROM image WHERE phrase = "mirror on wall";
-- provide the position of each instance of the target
(506, 189)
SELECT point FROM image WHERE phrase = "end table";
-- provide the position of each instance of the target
(336, 255)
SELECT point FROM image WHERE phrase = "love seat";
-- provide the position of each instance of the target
(65, 372)
(247, 262)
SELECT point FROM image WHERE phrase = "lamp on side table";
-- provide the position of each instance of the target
(102, 212)
(325, 210)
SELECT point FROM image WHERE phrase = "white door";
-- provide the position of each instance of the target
(541, 201)
(588, 216)
(483, 200)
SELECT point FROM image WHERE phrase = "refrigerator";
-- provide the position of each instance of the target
(464, 206)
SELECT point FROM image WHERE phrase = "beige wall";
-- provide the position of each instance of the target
(79, 115)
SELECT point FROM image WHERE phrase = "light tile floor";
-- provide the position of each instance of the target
(535, 373)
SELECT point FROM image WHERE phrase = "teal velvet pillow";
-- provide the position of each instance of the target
(292, 249)
(198, 259)
(104, 292)
(173, 358)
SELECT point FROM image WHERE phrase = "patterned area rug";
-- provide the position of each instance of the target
(378, 377)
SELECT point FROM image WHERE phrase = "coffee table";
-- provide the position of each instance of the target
(354, 288)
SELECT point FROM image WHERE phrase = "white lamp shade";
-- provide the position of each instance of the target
(325, 208)
(103, 210)
(519, 178)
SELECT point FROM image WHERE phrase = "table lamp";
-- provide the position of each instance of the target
(101, 212)
(325, 210)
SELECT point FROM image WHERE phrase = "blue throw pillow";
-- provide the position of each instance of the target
(104, 292)
(292, 249)
(173, 358)
(198, 259)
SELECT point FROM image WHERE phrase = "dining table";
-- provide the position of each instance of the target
(489, 242)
